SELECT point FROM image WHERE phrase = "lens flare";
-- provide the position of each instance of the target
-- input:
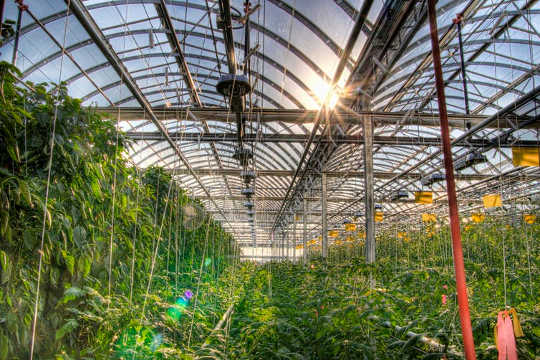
(174, 313)
(182, 302)
(157, 340)
(188, 294)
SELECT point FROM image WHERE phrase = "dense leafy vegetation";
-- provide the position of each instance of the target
(124, 277)
(328, 310)
(106, 229)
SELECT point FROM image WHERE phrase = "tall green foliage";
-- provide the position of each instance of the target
(88, 242)
(329, 309)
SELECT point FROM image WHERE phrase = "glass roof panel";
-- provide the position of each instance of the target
(297, 48)
(323, 13)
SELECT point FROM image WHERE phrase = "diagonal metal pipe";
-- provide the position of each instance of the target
(459, 266)
(180, 58)
(366, 6)
(463, 137)
(84, 17)
(225, 10)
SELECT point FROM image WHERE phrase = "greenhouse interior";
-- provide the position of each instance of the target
(269, 179)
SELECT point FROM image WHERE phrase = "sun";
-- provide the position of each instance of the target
(326, 94)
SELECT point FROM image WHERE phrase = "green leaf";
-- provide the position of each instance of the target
(25, 191)
(79, 235)
(13, 151)
(85, 264)
(71, 294)
(4, 347)
(66, 328)
(29, 239)
(4, 260)
(4, 222)
(70, 261)
(4, 171)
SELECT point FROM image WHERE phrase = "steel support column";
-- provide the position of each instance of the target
(461, 285)
(293, 189)
(294, 239)
(272, 245)
(368, 186)
(2, 5)
(288, 238)
(458, 21)
(21, 8)
(283, 245)
(324, 209)
(304, 231)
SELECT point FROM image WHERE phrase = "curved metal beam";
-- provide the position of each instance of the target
(431, 83)
(426, 38)
(257, 54)
(254, 25)
(142, 77)
(268, 155)
(388, 85)
(257, 75)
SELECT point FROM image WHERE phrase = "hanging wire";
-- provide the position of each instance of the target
(47, 188)
(134, 241)
(199, 280)
(113, 208)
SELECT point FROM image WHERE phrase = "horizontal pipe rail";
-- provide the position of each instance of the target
(339, 139)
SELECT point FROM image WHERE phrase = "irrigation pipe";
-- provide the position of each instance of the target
(431, 343)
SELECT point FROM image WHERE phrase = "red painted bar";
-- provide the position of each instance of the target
(463, 301)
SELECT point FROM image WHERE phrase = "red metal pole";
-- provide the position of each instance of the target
(463, 302)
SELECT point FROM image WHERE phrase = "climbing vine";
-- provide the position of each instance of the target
(76, 316)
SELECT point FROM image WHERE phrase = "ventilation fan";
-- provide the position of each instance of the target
(192, 216)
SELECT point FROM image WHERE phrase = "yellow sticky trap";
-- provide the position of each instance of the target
(423, 197)
(429, 217)
(518, 331)
(478, 218)
(404, 236)
(525, 156)
(529, 218)
(378, 216)
(492, 200)
(350, 227)
(333, 233)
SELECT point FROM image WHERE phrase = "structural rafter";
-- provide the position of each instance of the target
(97, 36)
(159, 63)
(149, 146)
